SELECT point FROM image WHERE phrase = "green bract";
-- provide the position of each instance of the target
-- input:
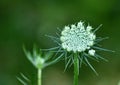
(39, 59)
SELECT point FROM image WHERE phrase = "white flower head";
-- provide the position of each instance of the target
(77, 38)
(78, 41)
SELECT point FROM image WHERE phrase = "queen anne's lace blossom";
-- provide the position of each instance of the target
(77, 43)
(77, 38)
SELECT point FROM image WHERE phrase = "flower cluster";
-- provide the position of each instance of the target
(78, 41)
(78, 38)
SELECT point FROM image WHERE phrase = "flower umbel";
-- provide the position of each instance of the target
(77, 38)
(76, 44)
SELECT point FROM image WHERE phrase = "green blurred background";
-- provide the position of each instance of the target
(27, 21)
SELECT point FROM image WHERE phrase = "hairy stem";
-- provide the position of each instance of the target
(76, 69)
(39, 76)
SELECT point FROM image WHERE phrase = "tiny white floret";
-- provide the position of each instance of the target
(89, 28)
(91, 52)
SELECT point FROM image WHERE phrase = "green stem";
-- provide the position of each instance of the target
(39, 76)
(76, 69)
